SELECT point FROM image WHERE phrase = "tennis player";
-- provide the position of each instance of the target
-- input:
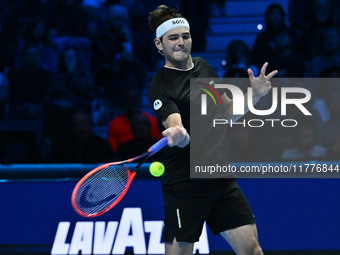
(190, 202)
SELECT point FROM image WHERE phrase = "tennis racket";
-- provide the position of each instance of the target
(103, 187)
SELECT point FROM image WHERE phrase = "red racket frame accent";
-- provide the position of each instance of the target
(131, 175)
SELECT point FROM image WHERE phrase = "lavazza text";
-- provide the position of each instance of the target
(116, 237)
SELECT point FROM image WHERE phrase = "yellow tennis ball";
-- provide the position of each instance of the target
(156, 169)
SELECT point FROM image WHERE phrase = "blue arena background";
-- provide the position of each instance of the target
(294, 216)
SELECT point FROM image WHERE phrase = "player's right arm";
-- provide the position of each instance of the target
(176, 133)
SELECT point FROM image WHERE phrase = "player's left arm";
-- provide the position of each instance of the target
(261, 86)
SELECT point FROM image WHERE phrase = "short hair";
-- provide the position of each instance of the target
(162, 14)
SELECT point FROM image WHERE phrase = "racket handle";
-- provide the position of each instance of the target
(157, 146)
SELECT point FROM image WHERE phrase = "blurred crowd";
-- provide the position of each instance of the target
(304, 45)
(68, 67)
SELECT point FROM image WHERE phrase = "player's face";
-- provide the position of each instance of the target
(176, 47)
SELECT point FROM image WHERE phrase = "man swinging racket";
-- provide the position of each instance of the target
(190, 202)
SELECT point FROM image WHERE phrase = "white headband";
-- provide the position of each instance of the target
(170, 24)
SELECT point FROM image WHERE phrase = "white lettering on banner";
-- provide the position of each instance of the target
(155, 229)
(202, 246)
(131, 220)
(82, 238)
(99, 237)
(59, 245)
(103, 240)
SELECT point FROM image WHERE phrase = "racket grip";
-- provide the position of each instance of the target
(157, 146)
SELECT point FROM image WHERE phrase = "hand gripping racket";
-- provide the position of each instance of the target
(103, 187)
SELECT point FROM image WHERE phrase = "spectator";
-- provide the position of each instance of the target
(119, 73)
(93, 3)
(25, 82)
(16, 14)
(7, 52)
(319, 105)
(112, 38)
(306, 18)
(305, 145)
(37, 31)
(218, 8)
(299, 14)
(328, 132)
(68, 18)
(238, 60)
(80, 144)
(285, 58)
(334, 149)
(309, 19)
(9, 25)
(198, 14)
(119, 128)
(330, 56)
(140, 129)
(71, 86)
(321, 18)
(143, 50)
(331, 72)
(101, 113)
(20, 12)
(265, 41)
(115, 66)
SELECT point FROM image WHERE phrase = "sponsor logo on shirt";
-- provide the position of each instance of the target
(157, 104)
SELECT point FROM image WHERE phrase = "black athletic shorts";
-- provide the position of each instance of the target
(219, 202)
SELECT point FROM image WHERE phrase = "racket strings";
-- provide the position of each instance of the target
(102, 189)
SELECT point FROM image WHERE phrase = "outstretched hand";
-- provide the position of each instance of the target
(261, 84)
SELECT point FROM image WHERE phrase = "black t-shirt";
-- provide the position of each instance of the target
(169, 92)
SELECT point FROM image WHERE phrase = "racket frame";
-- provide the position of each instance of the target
(131, 175)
